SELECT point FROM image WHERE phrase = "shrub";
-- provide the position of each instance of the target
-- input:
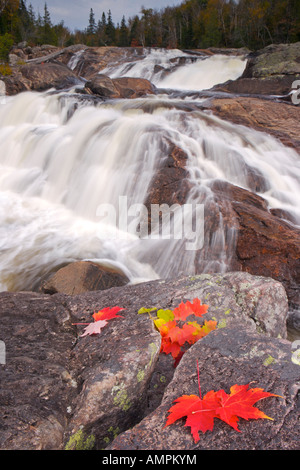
(5, 70)
(6, 43)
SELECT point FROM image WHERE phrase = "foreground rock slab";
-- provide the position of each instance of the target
(227, 357)
(59, 390)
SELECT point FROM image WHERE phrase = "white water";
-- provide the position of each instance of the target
(56, 170)
(198, 73)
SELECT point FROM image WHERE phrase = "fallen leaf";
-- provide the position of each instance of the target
(107, 313)
(199, 416)
(186, 309)
(94, 328)
(239, 404)
(200, 413)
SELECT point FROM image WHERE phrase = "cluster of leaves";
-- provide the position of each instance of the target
(201, 412)
(177, 333)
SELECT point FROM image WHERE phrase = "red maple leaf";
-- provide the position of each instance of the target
(107, 313)
(200, 417)
(200, 413)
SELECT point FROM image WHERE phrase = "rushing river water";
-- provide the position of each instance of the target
(74, 174)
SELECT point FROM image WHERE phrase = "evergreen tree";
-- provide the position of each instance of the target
(48, 34)
(91, 29)
(123, 35)
(110, 30)
(134, 40)
(23, 23)
(101, 31)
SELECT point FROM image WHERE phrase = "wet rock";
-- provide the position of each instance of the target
(125, 87)
(47, 75)
(82, 276)
(103, 86)
(227, 357)
(266, 245)
(276, 86)
(93, 60)
(280, 119)
(170, 184)
(40, 77)
(130, 87)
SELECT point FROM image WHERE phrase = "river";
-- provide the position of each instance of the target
(74, 173)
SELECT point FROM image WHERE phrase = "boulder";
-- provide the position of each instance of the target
(59, 390)
(82, 276)
(40, 77)
(269, 71)
(130, 87)
(276, 60)
(125, 87)
(48, 75)
(103, 86)
(15, 83)
(227, 357)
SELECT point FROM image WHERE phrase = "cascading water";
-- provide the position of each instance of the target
(64, 162)
(177, 70)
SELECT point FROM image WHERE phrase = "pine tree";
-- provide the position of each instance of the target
(91, 29)
(48, 33)
(123, 36)
(110, 30)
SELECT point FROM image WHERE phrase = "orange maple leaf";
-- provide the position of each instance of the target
(239, 404)
(185, 309)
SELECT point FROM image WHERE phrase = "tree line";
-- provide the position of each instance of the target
(192, 24)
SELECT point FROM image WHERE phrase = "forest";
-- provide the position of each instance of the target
(194, 24)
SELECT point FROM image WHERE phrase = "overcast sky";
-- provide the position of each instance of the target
(75, 13)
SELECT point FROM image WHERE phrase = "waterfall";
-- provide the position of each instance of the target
(178, 70)
(66, 162)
